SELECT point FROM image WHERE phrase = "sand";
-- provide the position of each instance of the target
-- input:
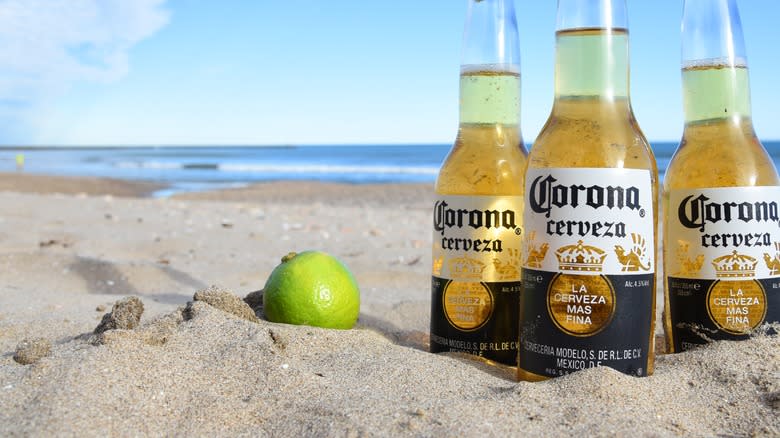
(68, 252)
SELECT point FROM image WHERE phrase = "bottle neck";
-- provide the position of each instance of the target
(490, 35)
(490, 65)
(489, 94)
(592, 63)
(716, 93)
(714, 73)
(712, 33)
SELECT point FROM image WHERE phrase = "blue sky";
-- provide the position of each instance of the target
(152, 72)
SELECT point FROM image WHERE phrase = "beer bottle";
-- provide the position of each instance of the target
(590, 215)
(477, 216)
(721, 194)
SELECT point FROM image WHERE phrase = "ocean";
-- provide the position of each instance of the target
(185, 168)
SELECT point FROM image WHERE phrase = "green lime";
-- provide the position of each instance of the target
(312, 288)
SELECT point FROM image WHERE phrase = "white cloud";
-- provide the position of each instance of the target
(48, 45)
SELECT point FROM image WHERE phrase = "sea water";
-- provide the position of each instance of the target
(196, 168)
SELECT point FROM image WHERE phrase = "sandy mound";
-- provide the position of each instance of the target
(208, 372)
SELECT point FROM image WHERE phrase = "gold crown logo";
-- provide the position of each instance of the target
(580, 257)
(464, 267)
(735, 265)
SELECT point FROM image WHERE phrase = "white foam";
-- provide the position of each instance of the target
(147, 165)
(716, 62)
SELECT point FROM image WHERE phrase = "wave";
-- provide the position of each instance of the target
(147, 165)
(284, 168)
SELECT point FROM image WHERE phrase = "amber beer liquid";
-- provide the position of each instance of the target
(590, 210)
(477, 215)
(721, 194)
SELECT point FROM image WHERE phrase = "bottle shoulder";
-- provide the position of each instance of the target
(720, 154)
(485, 160)
(593, 135)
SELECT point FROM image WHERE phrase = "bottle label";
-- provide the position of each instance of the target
(476, 276)
(588, 271)
(722, 263)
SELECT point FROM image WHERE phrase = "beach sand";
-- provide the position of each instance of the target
(70, 248)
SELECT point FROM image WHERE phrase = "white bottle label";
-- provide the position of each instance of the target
(588, 271)
(589, 221)
(477, 237)
(729, 232)
(722, 262)
(475, 288)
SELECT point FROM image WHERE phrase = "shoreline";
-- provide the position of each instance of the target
(24, 182)
(412, 195)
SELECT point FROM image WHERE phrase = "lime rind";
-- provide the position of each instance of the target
(312, 288)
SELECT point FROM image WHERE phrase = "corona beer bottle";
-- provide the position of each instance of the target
(477, 217)
(590, 213)
(721, 194)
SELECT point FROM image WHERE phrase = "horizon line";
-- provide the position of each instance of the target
(269, 145)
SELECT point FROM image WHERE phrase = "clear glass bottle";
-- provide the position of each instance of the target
(590, 213)
(721, 195)
(478, 208)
